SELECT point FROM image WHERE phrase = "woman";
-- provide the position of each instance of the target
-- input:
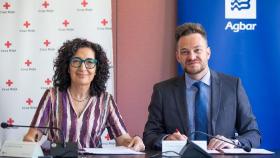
(78, 104)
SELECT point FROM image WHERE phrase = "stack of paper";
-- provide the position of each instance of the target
(120, 150)
(170, 148)
(240, 151)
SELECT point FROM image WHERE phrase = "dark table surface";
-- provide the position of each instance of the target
(157, 154)
(152, 153)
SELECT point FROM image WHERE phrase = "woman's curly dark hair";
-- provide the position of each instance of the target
(61, 78)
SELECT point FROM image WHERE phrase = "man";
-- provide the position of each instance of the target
(201, 100)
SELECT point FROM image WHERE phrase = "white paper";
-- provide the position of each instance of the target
(117, 150)
(21, 149)
(176, 146)
(203, 145)
(169, 147)
(241, 151)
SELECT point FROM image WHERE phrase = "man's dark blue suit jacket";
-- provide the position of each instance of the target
(230, 111)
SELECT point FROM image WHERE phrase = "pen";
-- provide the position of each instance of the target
(178, 135)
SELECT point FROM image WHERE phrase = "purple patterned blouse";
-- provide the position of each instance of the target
(55, 110)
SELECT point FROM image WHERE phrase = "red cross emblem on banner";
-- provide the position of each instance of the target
(84, 3)
(10, 121)
(27, 62)
(9, 83)
(104, 22)
(6, 5)
(47, 42)
(107, 137)
(45, 4)
(29, 101)
(8, 44)
(65, 23)
(26, 24)
(48, 81)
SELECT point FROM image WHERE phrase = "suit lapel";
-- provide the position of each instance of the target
(180, 97)
(215, 99)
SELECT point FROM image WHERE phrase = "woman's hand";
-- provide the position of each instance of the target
(136, 144)
(33, 135)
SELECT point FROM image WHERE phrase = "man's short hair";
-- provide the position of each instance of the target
(190, 28)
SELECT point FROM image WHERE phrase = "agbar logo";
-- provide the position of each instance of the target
(240, 9)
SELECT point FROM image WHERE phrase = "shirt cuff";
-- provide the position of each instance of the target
(164, 137)
(236, 142)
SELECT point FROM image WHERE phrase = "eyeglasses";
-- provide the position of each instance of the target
(77, 62)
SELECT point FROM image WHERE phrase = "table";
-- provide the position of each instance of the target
(151, 153)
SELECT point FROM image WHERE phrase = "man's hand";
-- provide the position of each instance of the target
(176, 136)
(136, 144)
(216, 144)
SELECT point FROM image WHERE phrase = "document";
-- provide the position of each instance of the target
(170, 148)
(241, 151)
(117, 150)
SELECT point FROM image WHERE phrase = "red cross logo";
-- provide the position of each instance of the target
(29, 101)
(26, 24)
(10, 121)
(28, 62)
(9, 83)
(45, 4)
(65, 23)
(104, 22)
(6, 5)
(47, 42)
(84, 3)
(8, 44)
(107, 137)
(48, 81)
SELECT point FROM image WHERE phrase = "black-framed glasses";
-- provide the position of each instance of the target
(77, 62)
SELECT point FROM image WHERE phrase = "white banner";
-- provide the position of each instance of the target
(31, 32)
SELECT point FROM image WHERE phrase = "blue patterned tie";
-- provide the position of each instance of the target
(200, 111)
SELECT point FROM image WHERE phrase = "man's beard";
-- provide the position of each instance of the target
(195, 71)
